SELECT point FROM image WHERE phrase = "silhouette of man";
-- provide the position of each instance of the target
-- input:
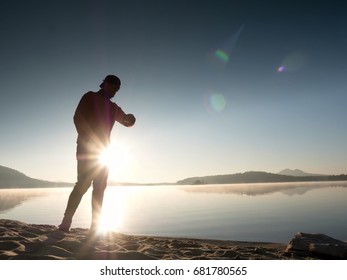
(94, 118)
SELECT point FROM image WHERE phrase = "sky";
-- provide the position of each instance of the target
(217, 87)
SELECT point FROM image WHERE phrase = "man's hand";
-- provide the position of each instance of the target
(129, 120)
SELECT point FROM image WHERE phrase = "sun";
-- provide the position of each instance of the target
(113, 156)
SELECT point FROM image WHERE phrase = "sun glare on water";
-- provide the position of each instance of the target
(111, 217)
(115, 157)
(115, 210)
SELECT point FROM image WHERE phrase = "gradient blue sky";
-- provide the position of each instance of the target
(275, 98)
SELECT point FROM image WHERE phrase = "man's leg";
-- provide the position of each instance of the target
(99, 186)
(85, 174)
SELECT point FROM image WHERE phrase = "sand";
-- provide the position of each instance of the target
(21, 241)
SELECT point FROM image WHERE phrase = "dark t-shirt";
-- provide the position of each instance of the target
(94, 119)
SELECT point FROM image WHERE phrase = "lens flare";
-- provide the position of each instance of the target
(221, 55)
(293, 62)
(217, 102)
(281, 69)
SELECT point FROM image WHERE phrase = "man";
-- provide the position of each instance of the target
(94, 118)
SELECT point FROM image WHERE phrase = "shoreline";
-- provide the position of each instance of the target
(22, 241)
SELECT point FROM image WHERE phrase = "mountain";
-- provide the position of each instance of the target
(257, 177)
(296, 173)
(10, 178)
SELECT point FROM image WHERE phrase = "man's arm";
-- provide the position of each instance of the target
(123, 118)
(128, 120)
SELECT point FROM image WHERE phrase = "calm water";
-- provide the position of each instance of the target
(250, 212)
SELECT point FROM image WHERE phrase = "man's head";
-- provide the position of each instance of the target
(110, 85)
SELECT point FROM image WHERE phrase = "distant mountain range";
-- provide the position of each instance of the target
(261, 177)
(297, 173)
(10, 178)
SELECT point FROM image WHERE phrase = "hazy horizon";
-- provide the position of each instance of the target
(217, 87)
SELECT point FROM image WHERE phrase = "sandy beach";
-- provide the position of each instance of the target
(21, 241)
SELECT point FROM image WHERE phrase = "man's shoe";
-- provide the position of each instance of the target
(93, 229)
(64, 226)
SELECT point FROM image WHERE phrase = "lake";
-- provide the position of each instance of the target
(269, 212)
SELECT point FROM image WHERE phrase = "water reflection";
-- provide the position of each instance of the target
(11, 198)
(289, 189)
(252, 212)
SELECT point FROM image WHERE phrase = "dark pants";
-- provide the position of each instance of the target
(88, 171)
